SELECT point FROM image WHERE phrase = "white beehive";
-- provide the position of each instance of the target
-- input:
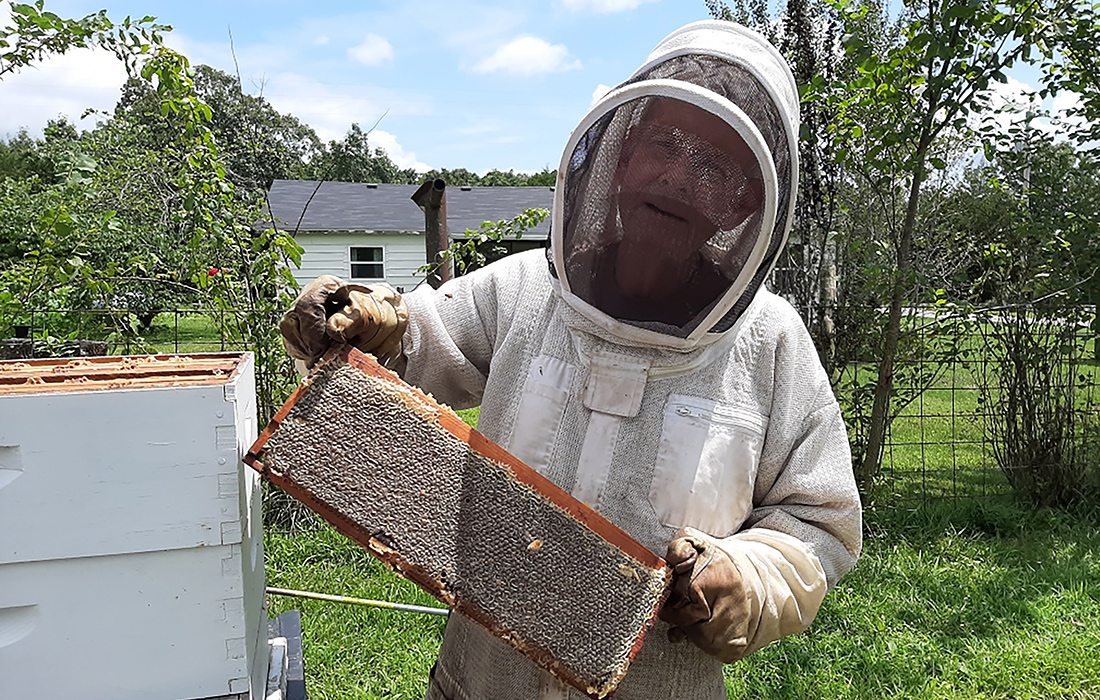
(131, 546)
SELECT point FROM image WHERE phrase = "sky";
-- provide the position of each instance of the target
(477, 85)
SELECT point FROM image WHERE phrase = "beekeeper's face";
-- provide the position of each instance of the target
(683, 175)
(675, 190)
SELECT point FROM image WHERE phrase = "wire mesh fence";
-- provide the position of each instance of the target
(983, 406)
(51, 333)
(990, 404)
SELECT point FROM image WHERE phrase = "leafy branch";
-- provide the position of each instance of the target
(478, 246)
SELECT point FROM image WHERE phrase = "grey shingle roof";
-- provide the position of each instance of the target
(350, 206)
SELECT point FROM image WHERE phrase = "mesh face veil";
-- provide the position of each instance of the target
(675, 191)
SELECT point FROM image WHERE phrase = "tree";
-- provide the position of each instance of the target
(1075, 68)
(807, 32)
(21, 158)
(510, 178)
(546, 177)
(461, 177)
(241, 272)
(37, 33)
(1037, 261)
(892, 115)
(1078, 72)
(353, 159)
(258, 143)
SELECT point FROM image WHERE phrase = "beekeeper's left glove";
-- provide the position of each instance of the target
(708, 604)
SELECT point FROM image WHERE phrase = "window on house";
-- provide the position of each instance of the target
(367, 263)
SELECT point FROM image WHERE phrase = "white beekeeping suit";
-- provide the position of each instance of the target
(647, 370)
(643, 366)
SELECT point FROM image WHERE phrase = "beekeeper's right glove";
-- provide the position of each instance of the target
(303, 326)
(372, 318)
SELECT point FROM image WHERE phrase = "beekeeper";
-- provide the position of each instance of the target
(642, 365)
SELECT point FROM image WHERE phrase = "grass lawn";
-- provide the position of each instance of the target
(185, 332)
(938, 447)
(951, 601)
(954, 600)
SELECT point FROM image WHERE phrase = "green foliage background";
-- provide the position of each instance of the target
(913, 199)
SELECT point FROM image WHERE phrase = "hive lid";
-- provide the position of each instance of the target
(71, 375)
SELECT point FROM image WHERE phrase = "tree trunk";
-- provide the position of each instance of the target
(828, 322)
(1094, 299)
(876, 437)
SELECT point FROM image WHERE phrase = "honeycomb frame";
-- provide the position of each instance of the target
(518, 543)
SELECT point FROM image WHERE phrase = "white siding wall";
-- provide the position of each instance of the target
(329, 253)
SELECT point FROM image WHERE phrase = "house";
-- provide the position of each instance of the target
(374, 232)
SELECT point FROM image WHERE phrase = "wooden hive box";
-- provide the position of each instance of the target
(468, 522)
(131, 561)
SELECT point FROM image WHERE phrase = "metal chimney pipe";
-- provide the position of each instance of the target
(432, 198)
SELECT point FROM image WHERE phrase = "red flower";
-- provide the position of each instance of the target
(212, 271)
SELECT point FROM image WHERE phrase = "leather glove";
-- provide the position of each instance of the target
(708, 603)
(372, 319)
(303, 327)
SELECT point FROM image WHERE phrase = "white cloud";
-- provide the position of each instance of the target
(1014, 102)
(60, 85)
(1061, 105)
(373, 51)
(397, 153)
(598, 93)
(332, 109)
(1013, 95)
(528, 55)
(320, 40)
(603, 6)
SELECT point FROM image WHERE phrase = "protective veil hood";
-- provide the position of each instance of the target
(664, 227)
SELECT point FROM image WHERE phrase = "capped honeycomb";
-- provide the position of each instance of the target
(455, 513)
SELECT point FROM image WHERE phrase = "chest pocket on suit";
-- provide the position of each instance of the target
(706, 466)
(538, 418)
